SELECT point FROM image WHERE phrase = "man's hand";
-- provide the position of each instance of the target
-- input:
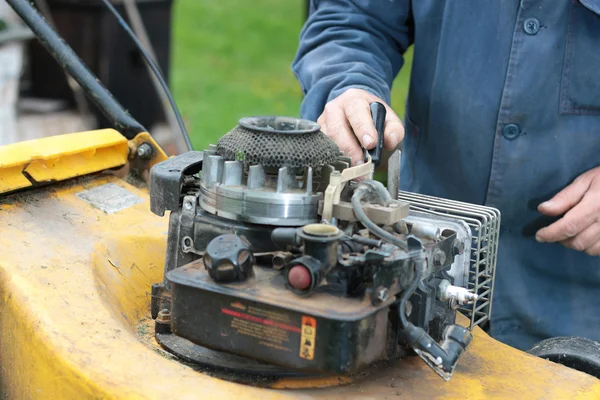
(347, 121)
(579, 228)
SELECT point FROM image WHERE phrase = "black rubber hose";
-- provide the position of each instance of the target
(370, 225)
(155, 70)
(406, 295)
(66, 57)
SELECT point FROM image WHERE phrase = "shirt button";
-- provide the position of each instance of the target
(531, 26)
(511, 131)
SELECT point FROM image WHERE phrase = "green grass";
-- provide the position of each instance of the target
(232, 58)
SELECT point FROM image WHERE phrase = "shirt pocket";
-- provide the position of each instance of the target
(580, 83)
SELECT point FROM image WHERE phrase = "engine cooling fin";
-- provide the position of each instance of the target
(278, 142)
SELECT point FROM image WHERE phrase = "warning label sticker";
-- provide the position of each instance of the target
(272, 329)
(307, 338)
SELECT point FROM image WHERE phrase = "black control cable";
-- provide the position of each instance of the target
(410, 290)
(155, 69)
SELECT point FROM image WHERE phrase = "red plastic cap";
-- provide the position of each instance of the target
(299, 277)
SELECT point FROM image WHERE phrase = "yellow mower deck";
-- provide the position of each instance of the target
(77, 261)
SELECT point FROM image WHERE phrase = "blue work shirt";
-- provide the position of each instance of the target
(503, 110)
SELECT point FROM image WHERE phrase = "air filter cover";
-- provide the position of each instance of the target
(278, 142)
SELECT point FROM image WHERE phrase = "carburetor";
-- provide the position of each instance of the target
(283, 259)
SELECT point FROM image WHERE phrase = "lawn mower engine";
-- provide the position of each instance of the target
(283, 259)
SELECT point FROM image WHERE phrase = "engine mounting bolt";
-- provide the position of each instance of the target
(188, 205)
(145, 151)
(382, 294)
(164, 317)
(162, 323)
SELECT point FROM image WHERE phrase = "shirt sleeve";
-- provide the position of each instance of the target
(351, 44)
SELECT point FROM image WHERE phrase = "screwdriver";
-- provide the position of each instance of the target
(378, 115)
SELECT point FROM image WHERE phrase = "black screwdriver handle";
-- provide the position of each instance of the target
(378, 115)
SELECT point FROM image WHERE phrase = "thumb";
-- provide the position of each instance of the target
(567, 198)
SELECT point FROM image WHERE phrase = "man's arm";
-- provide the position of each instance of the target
(352, 44)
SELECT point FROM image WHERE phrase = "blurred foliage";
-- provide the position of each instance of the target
(233, 59)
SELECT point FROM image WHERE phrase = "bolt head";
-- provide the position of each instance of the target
(459, 248)
(188, 206)
(164, 317)
(439, 258)
(144, 151)
(382, 294)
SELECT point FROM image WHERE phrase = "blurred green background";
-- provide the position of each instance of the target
(233, 58)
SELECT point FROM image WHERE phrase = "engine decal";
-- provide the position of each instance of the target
(271, 333)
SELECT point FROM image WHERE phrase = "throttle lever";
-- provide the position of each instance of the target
(378, 113)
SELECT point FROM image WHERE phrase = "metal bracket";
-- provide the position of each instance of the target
(337, 182)
(393, 178)
(167, 180)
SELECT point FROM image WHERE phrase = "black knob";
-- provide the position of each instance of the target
(228, 259)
